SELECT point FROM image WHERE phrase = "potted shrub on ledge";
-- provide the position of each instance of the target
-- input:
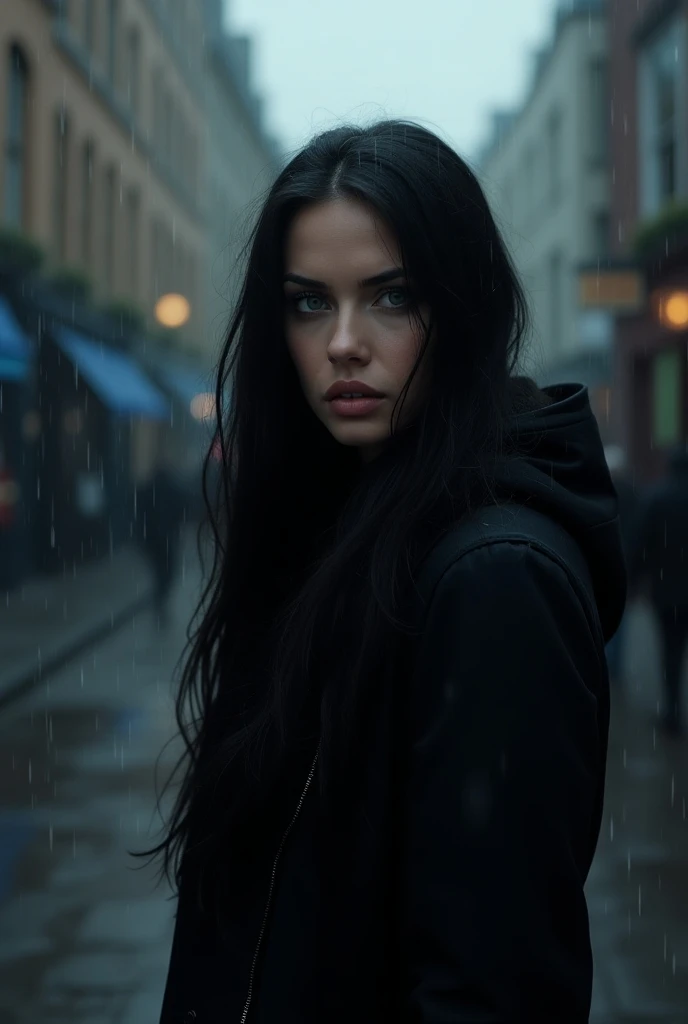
(663, 238)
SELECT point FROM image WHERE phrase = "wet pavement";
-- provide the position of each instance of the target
(638, 886)
(84, 931)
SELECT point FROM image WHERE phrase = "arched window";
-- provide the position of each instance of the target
(16, 138)
(87, 201)
(61, 191)
(133, 72)
(113, 42)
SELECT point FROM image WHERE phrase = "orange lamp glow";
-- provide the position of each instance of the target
(673, 310)
(172, 310)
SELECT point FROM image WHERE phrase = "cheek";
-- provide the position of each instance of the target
(303, 360)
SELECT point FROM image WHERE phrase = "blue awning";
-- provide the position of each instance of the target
(15, 350)
(114, 377)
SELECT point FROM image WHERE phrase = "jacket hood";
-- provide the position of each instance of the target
(562, 472)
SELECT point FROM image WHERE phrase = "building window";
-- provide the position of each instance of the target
(90, 26)
(60, 183)
(109, 234)
(554, 138)
(599, 116)
(193, 164)
(133, 80)
(156, 89)
(167, 114)
(662, 69)
(666, 398)
(15, 141)
(155, 248)
(87, 189)
(133, 242)
(112, 42)
(529, 176)
(555, 300)
(599, 234)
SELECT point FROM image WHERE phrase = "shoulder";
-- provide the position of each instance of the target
(502, 570)
(503, 547)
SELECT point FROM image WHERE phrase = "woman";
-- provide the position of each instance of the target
(399, 703)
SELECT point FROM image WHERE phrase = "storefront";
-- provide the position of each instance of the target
(188, 434)
(93, 399)
(647, 398)
(16, 367)
(652, 359)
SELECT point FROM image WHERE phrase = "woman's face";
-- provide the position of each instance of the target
(347, 321)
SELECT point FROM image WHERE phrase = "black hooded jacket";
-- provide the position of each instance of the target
(448, 889)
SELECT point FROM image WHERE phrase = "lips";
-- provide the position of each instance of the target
(351, 387)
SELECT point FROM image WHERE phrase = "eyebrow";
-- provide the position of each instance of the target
(393, 274)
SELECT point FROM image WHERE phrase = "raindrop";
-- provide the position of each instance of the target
(50, 838)
(611, 830)
(624, 757)
(640, 901)
(629, 862)
(673, 964)
(665, 947)
(30, 771)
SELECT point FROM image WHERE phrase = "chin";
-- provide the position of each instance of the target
(359, 436)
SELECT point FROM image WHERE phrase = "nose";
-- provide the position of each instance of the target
(348, 339)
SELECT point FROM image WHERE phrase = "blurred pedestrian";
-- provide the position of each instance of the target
(400, 700)
(628, 511)
(660, 558)
(162, 503)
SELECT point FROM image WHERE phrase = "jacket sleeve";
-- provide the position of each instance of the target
(504, 778)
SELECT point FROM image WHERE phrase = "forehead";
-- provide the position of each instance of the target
(341, 234)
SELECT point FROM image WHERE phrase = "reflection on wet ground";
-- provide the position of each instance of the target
(84, 932)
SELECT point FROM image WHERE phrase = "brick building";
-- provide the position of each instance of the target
(104, 121)
(646, 280)
(104, 126)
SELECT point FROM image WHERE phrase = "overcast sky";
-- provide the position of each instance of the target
(447, 63)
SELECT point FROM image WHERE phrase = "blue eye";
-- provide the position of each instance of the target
(403, 292)
(309, 297)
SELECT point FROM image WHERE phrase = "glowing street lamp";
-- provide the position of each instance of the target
(172, 310)
(673, 310)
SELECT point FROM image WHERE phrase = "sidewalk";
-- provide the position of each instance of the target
(638, 887)
(50, 619)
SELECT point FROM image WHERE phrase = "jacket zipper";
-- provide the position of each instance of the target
(272, 887)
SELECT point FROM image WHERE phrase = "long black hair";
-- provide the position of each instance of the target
(313, 552)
